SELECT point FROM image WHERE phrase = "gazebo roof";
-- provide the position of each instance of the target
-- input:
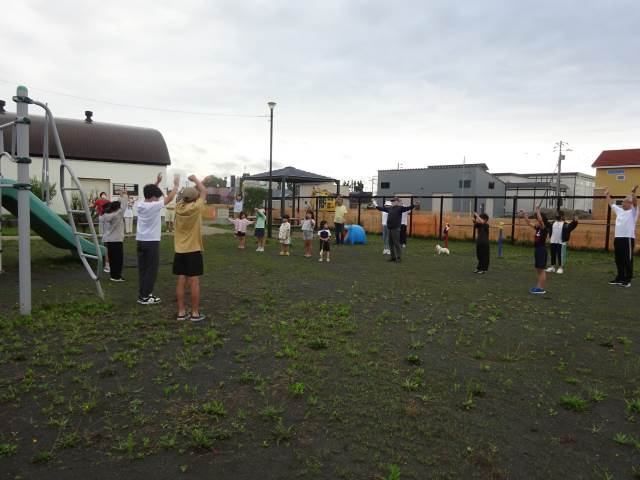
(291, 174)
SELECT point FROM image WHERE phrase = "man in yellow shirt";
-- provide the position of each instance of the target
(187, 260)
(339, 219)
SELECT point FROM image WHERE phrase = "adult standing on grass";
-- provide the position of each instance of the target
(187, 260)
(148, 237)
(394, 222)
(625, 239)
(339, 219)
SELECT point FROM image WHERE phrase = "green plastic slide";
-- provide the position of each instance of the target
(45, 222)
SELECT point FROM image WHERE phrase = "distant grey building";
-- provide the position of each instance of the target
(446, 181)
(543, 186)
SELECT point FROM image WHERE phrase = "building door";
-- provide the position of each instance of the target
(447, 203)
(93, 186)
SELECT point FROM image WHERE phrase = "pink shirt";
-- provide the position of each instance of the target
(241, 224)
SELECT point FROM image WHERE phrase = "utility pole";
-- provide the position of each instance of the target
(559, 146)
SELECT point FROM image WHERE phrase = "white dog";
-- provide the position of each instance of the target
(442, 250)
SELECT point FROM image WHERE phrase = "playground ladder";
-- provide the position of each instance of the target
(65, 189)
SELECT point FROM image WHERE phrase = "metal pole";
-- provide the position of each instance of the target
(24, 212)
(559, 177)
(45, 162)
(441, 212)
(359, 198)
(1, 150)
(475, 209)
(513, 220)
(269, 214)
(283, 185)
(608, 232)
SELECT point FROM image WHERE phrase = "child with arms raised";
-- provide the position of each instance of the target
(241, 223)
(542, 228)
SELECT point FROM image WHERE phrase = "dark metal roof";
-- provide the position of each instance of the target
(291, 174)
(96, 141)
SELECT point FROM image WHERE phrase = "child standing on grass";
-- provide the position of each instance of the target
(284, 235)
(308, 226)
(560, 234)
(187, 260)
(113, 237)
(128, 215)
(542, 228)
(483, 252)
(325, 241)
(148, 237)
(241, 223)
(261, 220)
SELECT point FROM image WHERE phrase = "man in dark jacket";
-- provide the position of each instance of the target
(394, 222)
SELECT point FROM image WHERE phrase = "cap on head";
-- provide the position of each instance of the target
(388, 203)
(190, 194)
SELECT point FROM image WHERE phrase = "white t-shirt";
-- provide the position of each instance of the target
(405, 218)
(625, 221)
(556, 232)
(128, 211)
(149, 221)
(237, 206)
(384, 218)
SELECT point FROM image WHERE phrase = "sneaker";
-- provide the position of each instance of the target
(328, 260)
(153, 299)
(481, 272)
(197, 318)
(538, 291)
(145, 301)
(182, 318)
(404, 245)
(615, 281)
(281, 254)
(392, 260)
(476, 271)
(550, 270)
(625, 284)
(287, 254)
(258, 249)
(320, 259)
(560, 270)
(117, 279)
(106, 269)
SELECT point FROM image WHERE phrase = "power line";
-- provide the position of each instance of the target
(139, 107)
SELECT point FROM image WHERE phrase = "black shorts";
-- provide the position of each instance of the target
(541, 256)
(259, 232)
(189, 264)
(325, 246)
(241, 234)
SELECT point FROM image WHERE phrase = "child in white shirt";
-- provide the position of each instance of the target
(308, 225)
(284, 235)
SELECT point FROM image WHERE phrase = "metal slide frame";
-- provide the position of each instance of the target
(20, 154)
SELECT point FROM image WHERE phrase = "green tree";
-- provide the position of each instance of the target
(213, 181)
(38, 190)
(254, 197)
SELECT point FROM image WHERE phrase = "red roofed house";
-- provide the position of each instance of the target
(617, 170)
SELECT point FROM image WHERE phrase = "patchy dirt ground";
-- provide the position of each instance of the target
(357, 369)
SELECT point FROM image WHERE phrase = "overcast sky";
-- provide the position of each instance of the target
(361, 85)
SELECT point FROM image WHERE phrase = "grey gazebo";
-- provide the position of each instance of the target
(294, 176)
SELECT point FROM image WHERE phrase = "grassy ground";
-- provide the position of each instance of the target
(358, 369)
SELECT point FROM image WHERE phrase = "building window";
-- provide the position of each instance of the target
(620, 178)
(385, 185)
(467, 184)
(131, 188)
(492, 185)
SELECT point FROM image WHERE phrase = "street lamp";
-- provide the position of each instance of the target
(272, 105)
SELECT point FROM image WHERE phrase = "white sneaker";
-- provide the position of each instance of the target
(560, 270)
(106, 269)
(320, 259)
(550, 270)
